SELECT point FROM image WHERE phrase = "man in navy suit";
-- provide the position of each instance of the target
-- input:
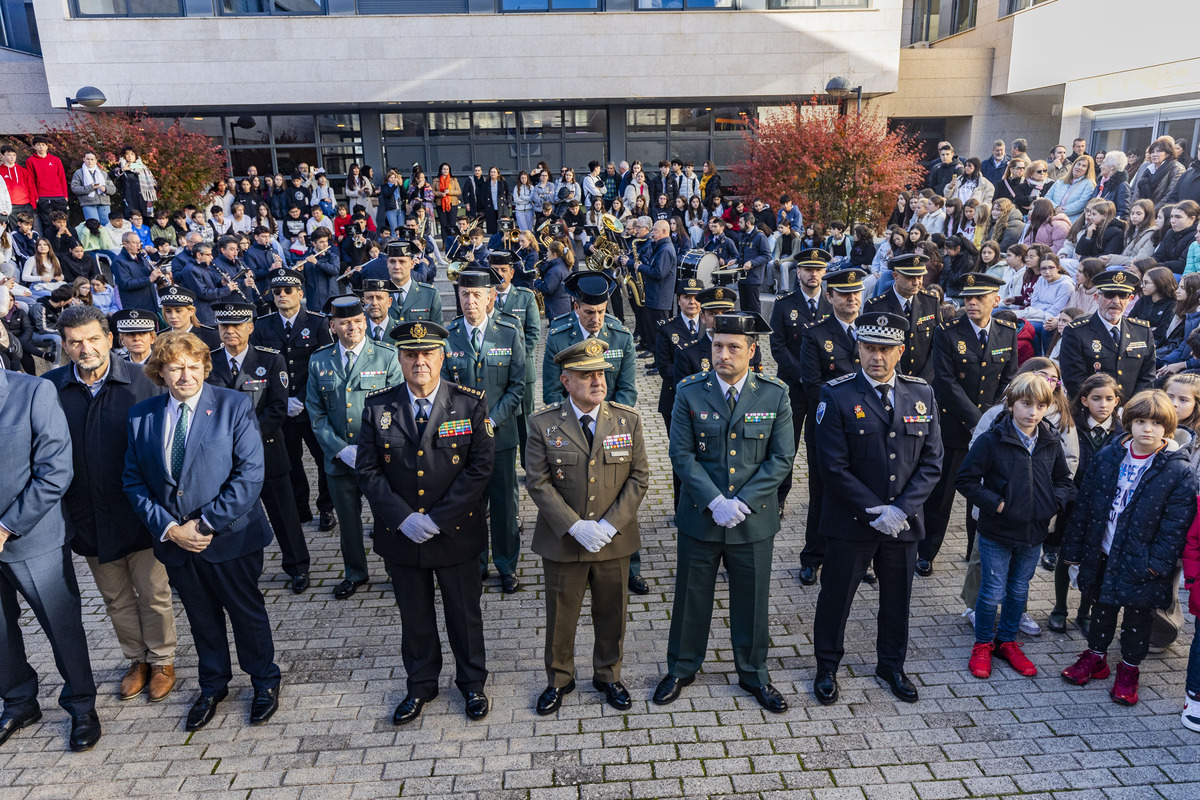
(194, 471)
(35, 562)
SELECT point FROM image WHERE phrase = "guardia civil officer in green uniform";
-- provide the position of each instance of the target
(731, 442)
(588, 317)
(522, 304)
(340, 376)
(413, 300)
(378, 296)
(488, 353)
(921, 307)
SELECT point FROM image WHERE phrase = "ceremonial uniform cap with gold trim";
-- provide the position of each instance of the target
(978, 284)
(717, 298)
(813, 257)
(846, 281)
(1116, 280)
(419, 335)
(585, 356)
(912, 265)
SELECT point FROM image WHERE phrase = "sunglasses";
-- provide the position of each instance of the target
(1114, 295)
(1039, 172)
(283, 290)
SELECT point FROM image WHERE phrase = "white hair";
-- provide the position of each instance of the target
(1116, 159)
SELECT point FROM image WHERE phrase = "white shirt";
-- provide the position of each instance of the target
(289, 320)
(95, 387)
(594, 413)
(986, 328)
(372, 327)
(1130, 473)
(691, 322)
(412, 398)
(848, 327)
(240, 358)
(902, 298)
(891, 384)
(403, 290)
(482, 328)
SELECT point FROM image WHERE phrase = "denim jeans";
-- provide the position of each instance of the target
(96, 212)
(1005, 574)
(395, 219)
(1193, 668)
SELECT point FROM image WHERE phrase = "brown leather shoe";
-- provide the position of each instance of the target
(162, 681)
(134, 682)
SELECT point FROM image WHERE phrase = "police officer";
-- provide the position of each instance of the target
(377, 300)
(136, 331)
(488, 354)
(179, 312)
(260, 373)
(827, 351)
(589, 304)
(340, 376)
(878, 434)
(588, 474)
(921, 307)
(698, 356)
(426, 460)
(731, 441)
(413, 300)
(684, 329)
(1108, 341)
(790, 315)
(974, 359)
(297, 333)
(522, 304)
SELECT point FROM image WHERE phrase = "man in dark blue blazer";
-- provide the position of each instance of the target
(35, 562)
(135, 276)
(194, 471)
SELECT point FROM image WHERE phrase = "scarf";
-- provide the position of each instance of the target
(146, 185)
(444, 188)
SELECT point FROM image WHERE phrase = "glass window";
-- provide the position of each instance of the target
(646, 121)
(548, 5)
(209, 126)
(578, 154)
(690, 120)
(458, 156)
(244, 158)
(725, 152)
(338, 128)
(501, 155)
(686, 150)
(964, 16)
(490, 124)
(648, 151)
(658, 5)
(237, 7)
(732, 120)
(1181, 129)
(541, 122)
(586, 121)
(290, 156)
(449, 123)
(1016, 5)
(128, 8)
(402, 157)
(247, 129)
(287, 130)
(530, 153)
(925, 20)
(1125, 139)
(404, 125)
(337, 160)
(782, 4)
(153, 8)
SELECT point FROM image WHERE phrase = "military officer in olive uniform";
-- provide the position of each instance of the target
(681, 331)
(426, 458)
(179, 312)
(589, 303)
(588, 474)
(921, 307)
(878, 434)
(260, 373)
(522, 304)
(791, 314)
(413, 300)
(296, 333)
(698, 356)
(340, 376)
(1108, 341)
(828, 351)
(974, 359)
(731, 441)
(488, 354)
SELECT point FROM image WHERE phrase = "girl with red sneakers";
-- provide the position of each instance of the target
(1136, 502)
(1016, 474)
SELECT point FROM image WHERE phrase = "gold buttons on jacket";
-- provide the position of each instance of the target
(421, 472)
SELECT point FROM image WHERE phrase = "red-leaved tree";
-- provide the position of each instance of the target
(834, 166)
(185, 164)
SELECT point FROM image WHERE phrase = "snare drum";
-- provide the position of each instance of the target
(726, 277)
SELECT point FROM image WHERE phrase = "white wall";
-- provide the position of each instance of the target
(25, 104)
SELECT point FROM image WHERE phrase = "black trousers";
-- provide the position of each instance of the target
(298, 433)
(281, 509)
(209, 592)
(799, 403)
(749, 299)
(653, 318)
(420, 645)
(813, 553)
(1136, 625)
(47, 206)
(940, 504)
(845, 563)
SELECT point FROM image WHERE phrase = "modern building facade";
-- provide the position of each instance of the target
(510, 83)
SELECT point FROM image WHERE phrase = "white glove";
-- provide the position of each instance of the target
(414, 529)
(295, 406)
(742, 507)
(590, 535)
(428, 525)
(349, 454)
(725, 512)
(890, 521)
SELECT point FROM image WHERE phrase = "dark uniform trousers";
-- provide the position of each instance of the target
(566, 583)
(280, 505)
(941, 504)
(505, 531)
(298, 434)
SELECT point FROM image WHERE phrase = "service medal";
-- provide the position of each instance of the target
(304, 333)
(558, 442)
(704, 365)
(795, 315)
(858, 412)
(454, 460)
(674, 338)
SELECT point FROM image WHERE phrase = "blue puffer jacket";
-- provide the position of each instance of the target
(1150, 531)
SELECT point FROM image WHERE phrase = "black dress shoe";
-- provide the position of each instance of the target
(767, 696)
(638, 585)
(808, 576)
(347, 589)
(10, 725)
(924, 567)
(306, 517)
(669, 688)
(614, 693)
(869, 578)
(203, 710)
(85, 732)
(825, 687)
(898, 682)
(264, 705)
(1049, 561)
(328, 521)
(409, 709)
(509, 583)
(478, 705)
(550, 700)
(300, 582)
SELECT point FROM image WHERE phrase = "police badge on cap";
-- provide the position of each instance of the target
(134, 320)
(286, 277)
(885, 329)
(178, 296)
(233, 313)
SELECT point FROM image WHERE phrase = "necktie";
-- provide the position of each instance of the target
(403, 294)
(907, 308)
(377, 333)
(502, 299)
(475, 341)
(178, 441)
(884, 396)
(983, 340)
(350, 356)
(852, 331)
(812, 307)
(1116, 334)
(233, 367)
(422, 415)
(691, 327)
(731, 395)
(287, 329)
(585, 422)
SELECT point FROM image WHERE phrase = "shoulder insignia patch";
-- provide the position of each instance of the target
(324, 347)
(1081, 321)
(1005, 323)
(690, 379)
(820, 412)
(262, 349)
(772, 379)
(378, 392)
(1137, 321)
(469, 390)
(622, 406)
(912, 379)
(842, 379)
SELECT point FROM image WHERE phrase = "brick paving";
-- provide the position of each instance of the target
(1033, 738)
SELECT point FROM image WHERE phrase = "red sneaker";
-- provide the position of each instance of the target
(1090, 665)
(1124, 690)
(1012, 653)
(981, 660)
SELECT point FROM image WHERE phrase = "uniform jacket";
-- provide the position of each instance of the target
(1150, 531)
(659, 270)
(672, 336)
(309, 332)
(265, 379)
(207, 335)
(568, 481)
(335, 400)
(967, 380)
(867, 461)
(554, 295)
(320, 278)
(746, 453)
(925, 316)
(100, 521)
(565, 331)
(724, 248)
(754, 248)
(221, 480)
(37, 476)
(132, 277)
(498, 371)
(206, 284)
(522, 304)
(422, 302)
(697, 357)
(789, 318)
(442, 472)
(1087, 348)
(827, 351)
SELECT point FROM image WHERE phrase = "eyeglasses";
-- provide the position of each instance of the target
(1051, 381)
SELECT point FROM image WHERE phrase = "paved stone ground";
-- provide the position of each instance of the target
(332, 738)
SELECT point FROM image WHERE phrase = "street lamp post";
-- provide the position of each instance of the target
(840, 87)
(88, 97)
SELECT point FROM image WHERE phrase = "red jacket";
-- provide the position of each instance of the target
(48, 174)
(21, 188)
(1025, 338)
(1191, 566)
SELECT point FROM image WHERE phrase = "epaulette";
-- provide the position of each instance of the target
(1137, 321)
(506, 323)
(564, 316)
(262, 349)
(324, 347)
(1005, 323)
(1081, 321)
(264, 316)
(551, 407)
(698, 376)
(912, 379)
(215, 349)
(929, 292)
(384, 345)
(426, 285)
(841, 379)
(560, 328)
(622, 406)
(772, 379)
(317, 314)
(469, 390)
(615, 323)
(454, 323)
(808, 325)
(377, 392)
